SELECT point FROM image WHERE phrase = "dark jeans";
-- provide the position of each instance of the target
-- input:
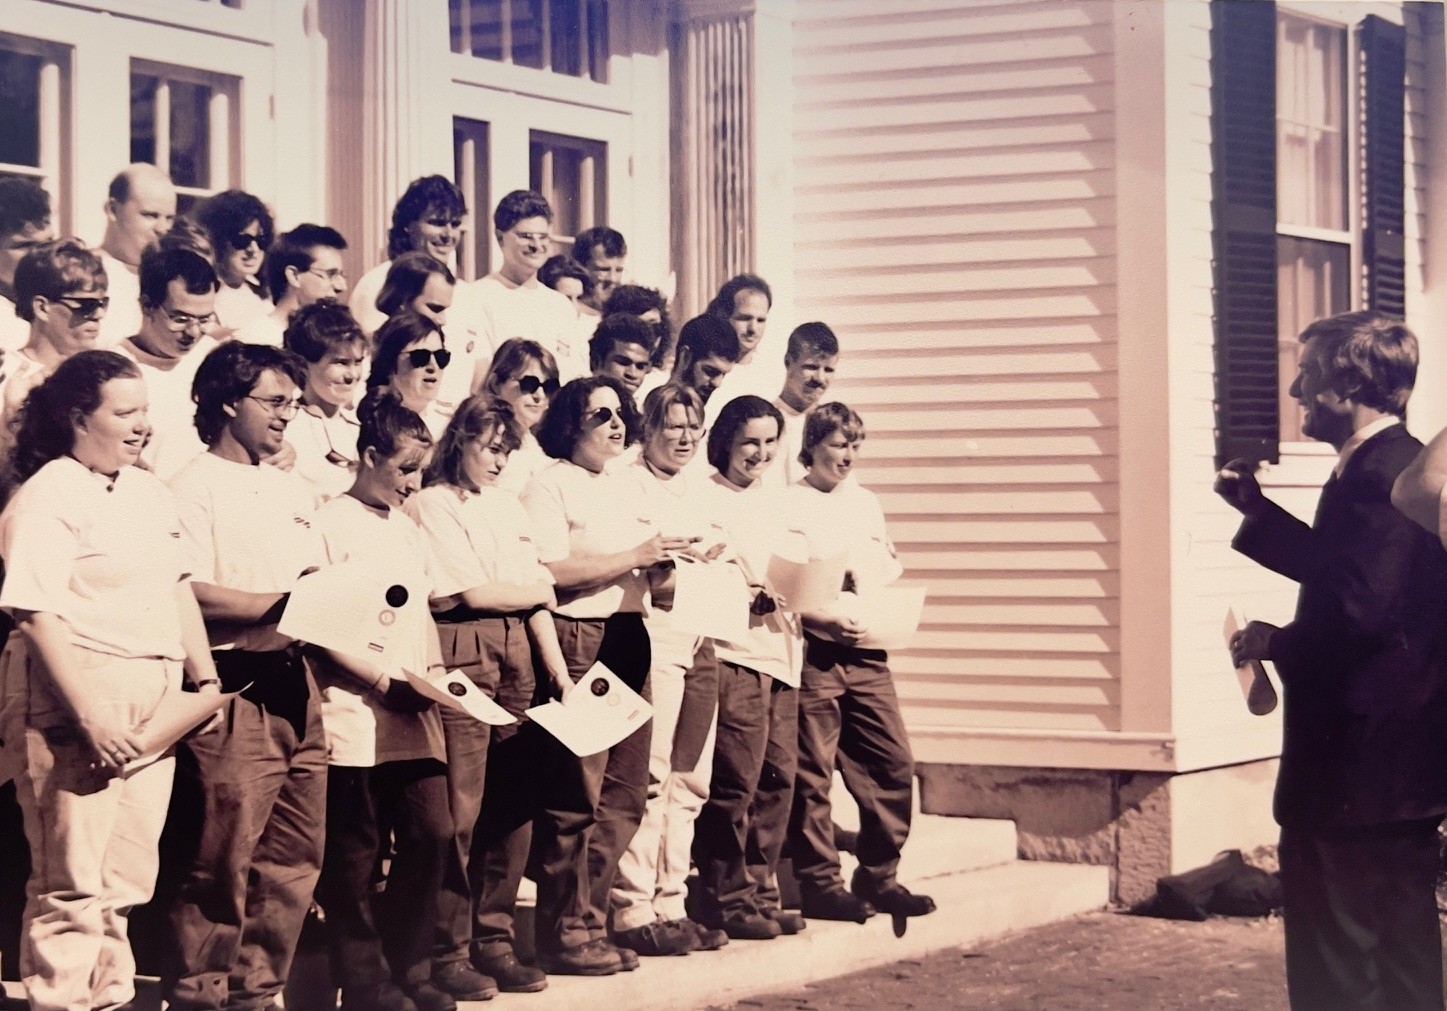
(483, 868)
(849, 716)
(259, 782)
(1361, 916)
(740, 832)
(396, 942)
(589, 807)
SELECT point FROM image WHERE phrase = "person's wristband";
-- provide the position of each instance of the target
(205, 683)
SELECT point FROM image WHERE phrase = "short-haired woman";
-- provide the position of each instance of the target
(523, 375)
(106, 626)
(848, 710)
(491, 600)
(409, 359)
(324, 433)
(599, 544)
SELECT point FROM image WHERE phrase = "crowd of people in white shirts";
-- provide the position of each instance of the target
(200, 411)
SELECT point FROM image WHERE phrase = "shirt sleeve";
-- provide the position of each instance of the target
(39, 544)
(543, 501)
(454, 563)
(197, 543)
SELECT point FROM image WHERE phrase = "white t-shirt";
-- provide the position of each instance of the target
(363, 301)
(174, 441)
(762, 377)
(236, 307)
(14, 331)
(523, 464)
(314, 436)
(105, 558)
(576, 512)
(265, 329)
(246, 528)
(751, 519)
(123, 317)
(360, 730)
(786, 468)
(22, 374)
(476, 538)
(502, 310)
(848, 518)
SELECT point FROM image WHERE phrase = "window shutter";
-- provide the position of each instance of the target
(1243, 152)
(1384, 259)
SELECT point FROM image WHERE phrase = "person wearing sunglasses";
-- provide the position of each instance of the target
(241, 231)
(524, 375)
(302, 266)
(512, 301)
(140, 210)
(409, 359)
(178, 315)
(60, 291)
(254, 784)
(428, 219)
(324, 433)
(647, 901)
(491, 602)
(418, 282)
(599, 542)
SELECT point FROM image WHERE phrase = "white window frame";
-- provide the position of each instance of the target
(53, 172)
(222, 127)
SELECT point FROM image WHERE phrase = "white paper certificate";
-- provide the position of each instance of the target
(346, 608)
(710, 599)
(456, 691)
(807, 586)
(890, 616)
(177, 714)
(599, 712)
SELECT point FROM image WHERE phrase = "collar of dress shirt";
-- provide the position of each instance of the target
(1360, 436)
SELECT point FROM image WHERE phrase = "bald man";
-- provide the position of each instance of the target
(140, 208)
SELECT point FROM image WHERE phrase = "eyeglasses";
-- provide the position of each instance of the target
(601, 416)
(674, 431)
(85, 308)
(332, 276)
(242, 241)
(184, 320)
(333, 457)
(419, 357)
(279, 407)
(531, 384)
(537, 238)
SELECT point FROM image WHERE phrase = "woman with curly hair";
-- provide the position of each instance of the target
(426, 219)
(241, 229)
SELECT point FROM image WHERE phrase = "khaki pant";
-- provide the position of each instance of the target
(93, 835)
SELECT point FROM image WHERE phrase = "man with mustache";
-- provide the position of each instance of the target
(178, 311)
(809, 364)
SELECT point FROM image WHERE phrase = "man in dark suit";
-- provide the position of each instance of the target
(1363, 665)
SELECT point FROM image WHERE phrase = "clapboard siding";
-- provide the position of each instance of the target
(954, 171)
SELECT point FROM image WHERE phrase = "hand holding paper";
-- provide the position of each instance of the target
(177, 714)
(807, 586)
(890, 615)
(598, 713)
(347, 609)
(711, 599)
(456, 691)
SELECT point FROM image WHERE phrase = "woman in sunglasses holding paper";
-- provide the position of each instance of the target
(848, 711)
(491, 600)
(599, 542)
(241, 231)
(324, 433)
(409, 358)
(523, 375)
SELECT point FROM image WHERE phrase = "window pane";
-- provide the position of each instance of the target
(1311, 144)
(567, 40)
(1313, 281)
(19, 108)
(597, 32)
(570, 172)
(190, 134)
(143, 117)
(527, 33)
(469, 161)
(477, 27)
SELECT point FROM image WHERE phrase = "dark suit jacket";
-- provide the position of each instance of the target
(1363, 664)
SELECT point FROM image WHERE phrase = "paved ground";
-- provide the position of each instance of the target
(1103, 960)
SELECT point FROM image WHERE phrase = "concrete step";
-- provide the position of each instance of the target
(973, 905)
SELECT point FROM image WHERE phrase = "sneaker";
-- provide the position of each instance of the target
(789, 921)
(582, 960)
(627, 957)
(893, 898)
(751, 926)
(708, 938)
(835, 904)
(511, 975)
(463, 982)
(655, 939)
(427, 997)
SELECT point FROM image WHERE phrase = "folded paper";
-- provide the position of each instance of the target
(599, 711)
(177, 714)
(456, 691)
(807, 586)
(1256, 685)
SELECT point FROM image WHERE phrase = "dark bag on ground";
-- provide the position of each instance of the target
(1227, 886)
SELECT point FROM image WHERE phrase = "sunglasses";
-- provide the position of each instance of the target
(85, 308)
(601, 416)
(531, 384)
(419, 357)
(242, 241)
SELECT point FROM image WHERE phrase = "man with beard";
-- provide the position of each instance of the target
(809, 365)
(178, 303)
(707, 351)
(1363, 664)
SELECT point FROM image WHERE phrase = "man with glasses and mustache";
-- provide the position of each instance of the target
(140, 208)
(511, 301)
(178, 312)
(24, 224)
(302, 266)
(60, 290)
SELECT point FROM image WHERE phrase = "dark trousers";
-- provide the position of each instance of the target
(1361, 917)
(395, 941)
(258, 781)
(740, 831)
(483, 870)
(589, 807)
(849, 715)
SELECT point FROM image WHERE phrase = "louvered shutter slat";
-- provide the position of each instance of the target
(1384, 53)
